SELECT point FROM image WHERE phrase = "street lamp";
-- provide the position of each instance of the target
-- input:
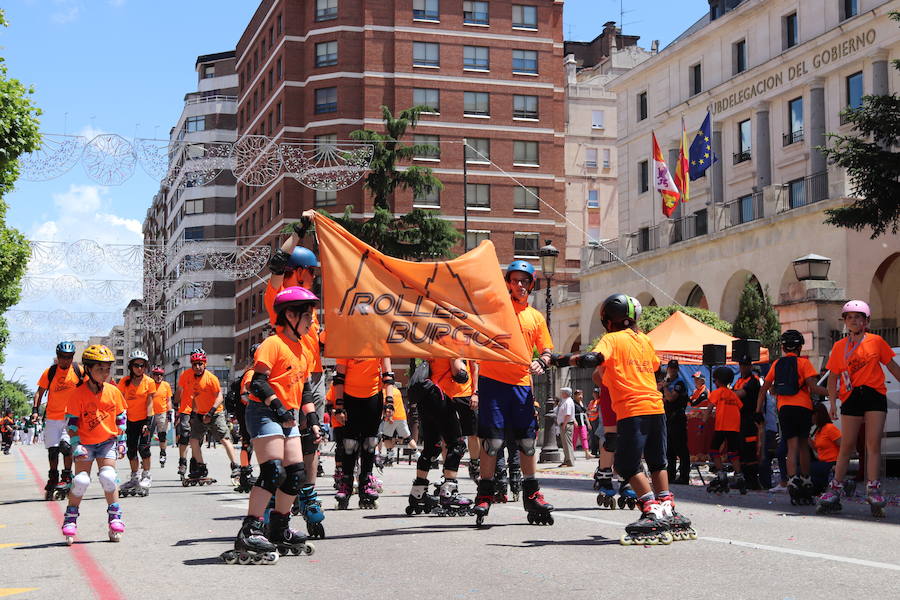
(549, 449)
(812, 267)
(228, 360)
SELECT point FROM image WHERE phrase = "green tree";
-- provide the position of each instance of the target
(652, 316)
(757, 318)
(18, 135)
(17, 395)
(872, 164)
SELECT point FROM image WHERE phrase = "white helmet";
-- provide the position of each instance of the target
(638, 309)
(138, 355)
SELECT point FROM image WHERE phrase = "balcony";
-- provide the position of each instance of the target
(743, 210)
(689, 227)
(742, 156)
(645, 239)
(802, 192)
(599, 254)
(792, 137)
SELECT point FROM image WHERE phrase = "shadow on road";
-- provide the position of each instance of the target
(594, 540)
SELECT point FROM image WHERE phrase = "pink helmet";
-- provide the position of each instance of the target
(294, 296)
(857, 306)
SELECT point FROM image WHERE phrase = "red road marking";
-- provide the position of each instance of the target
(103, 587)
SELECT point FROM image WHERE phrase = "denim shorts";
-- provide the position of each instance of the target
(261, 422)
(105, 449)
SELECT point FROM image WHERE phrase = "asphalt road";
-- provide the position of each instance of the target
(753, 546)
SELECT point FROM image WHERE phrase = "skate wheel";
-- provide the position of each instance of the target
(229, 557)
(296, 551)
(271, 558)
(256, 559)
(409, 511)
(479, 520)
(530, 519)
(309, 549)
(626, 540)
(114, 536)
(631, 504)
(185, 483)
(283, 550)
(550, 520)
(70, 539)
(665, 538)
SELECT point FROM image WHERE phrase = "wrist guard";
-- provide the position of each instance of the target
(339, 379)
(212, 413)
(387, 378)
(540, 360)
(339, 404)
(587, 360)
(312, 419)
(461, 376)
(279, 262)
(281, 413)
(560, 360)
(259, 387)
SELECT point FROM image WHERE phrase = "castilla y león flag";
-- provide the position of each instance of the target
(378, 306)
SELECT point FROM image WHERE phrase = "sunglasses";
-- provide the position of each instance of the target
(139, 365)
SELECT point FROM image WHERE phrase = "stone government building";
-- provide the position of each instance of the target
(776, 75)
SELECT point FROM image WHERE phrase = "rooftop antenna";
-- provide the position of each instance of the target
(622, 13)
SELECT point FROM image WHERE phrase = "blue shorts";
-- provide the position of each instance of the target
(261, 422)
(105, 449)
(642, 436)
(505, 408)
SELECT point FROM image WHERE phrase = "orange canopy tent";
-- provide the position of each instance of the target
(682, 337)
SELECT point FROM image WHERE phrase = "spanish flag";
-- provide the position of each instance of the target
(662, 181)
(682, 179)
(378, 306)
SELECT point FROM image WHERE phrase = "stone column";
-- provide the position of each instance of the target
(880, 74)
(717, 183)
(762, 145)
(816, 134)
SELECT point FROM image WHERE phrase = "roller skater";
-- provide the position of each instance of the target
(727, 434)
(70, 525)
(650, 529)
(856, 377)
(603, 483)
(7, 427)
(533, 500)
(420, 501)
(139, 390)
(369, 490)
(830, 501)
(238, 407)
(307, 504)
(251, 545)
(286, 539)
(800, 489)
(162, 410)
(627, 496)
(679, 525)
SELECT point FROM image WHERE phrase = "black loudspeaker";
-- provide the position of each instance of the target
(745, 351)
(714, 354)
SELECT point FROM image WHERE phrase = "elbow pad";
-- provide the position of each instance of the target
(312, 419)
(259, 387)
(461, 376)
(588, 360)
(279, 262)
(560, 360)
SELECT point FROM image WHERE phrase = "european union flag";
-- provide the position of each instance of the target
(701, 156)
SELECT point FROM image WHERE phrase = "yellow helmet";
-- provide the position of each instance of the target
(97, 354)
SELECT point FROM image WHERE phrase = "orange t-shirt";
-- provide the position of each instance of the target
(863, 363)
(805, 370)
(203, 390)
(728, 409)
(336, 419)
(399, 409)
(311, 339)
(534, 328)
(96, 412)
(362, 376)
(136, 396)
(442, 376)
(245, 385)
(629, 368)
(64, 381)
(827, 442)
(161, 397)
(184, 403)
(287, 366)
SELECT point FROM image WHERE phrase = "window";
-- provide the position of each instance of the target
(796, 193)
(279, 114)
(593, 199)
(607, 162)
(855, 90)
(433, 153)
(701, 222)
(590, 158)
(326, 10)
(475, 237)
(193, 207)
(193, 233)
(278, 203)
(326, 54)
(430, 199)
(849, 8)
(596, 119)
(478, 195)
(326, 197)
(790, 30)
(525, 244)
(428, 97)
(642, 106)
(279, 25)
(426, 54)
(279, 70)
(476, 57)
(795, 122)
(524, 17)
(269, 209)
(476, 104)
(744, 142)
(326, 100)
(643, 177)
(525, 107)
(740, 56)
(192, 124)
(478, 150)
(209, 71)
(525, 198)
(745, 208)
(475, 13)
(524, 61)
(696, 79)
(426, 10)
(525, 153)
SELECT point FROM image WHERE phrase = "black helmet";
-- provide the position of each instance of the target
(618, 309)
(792, 339)
(253, 350)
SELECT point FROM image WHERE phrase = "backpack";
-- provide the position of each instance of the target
(233, 397)
(421, 388)
(787, 378)
(54, 368)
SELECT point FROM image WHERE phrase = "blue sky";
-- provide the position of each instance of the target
(123, 66)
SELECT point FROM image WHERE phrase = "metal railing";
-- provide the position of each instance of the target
(740, 157)
(744, 210)
(801, 192)
(689, 227)
(595, 254)
(205, 99)
(792, 137)
(646, 239)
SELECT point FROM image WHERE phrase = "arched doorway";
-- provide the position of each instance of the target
(691, 294)
(884, 294)
(731, 295)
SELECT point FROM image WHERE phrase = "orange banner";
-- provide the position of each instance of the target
(378, 306)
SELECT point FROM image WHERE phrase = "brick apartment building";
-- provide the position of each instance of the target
(492, 71)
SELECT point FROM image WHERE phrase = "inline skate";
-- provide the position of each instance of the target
(245, 480)
(199, 475)
(61, 492)
(369, 488)
(501, 486)
(50, 487)
(144, 484)
(235, 474)
(162, 457)
(849, 488)
(451, 504)
(70, 525)
(286, 539)
(875, 499)
(307, 504)
(679, 525)
(740, 483)
(130, 487)
(420, 501)
(533, 500)
(515, 482)
(338, 476)
(830, 501)
(603, 483)
(627, 497)
(719, 484)
(182, 467)
(651, 528)
(251, 545)
(483, 500)
(800, 489)
(114, 518)
(474, 467)
(344, 491)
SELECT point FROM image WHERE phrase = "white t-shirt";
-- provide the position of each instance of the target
(566, 408)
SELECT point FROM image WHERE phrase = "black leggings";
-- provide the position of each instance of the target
(439, 420)
(361, 432)
(137, 440)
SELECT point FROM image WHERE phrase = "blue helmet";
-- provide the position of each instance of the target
(520, 265)
(302, 258)
(65, 348)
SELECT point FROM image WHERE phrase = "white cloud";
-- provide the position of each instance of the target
(66, 11)
(85, 212)
(79, 199)
(132, 225)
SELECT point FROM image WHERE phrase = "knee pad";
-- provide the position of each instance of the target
(53, 453)
(131, 453)
(491, 446)
(407, 440)
(526, 446)
(423, 463)
(107, 477)
(350, 446)
(370, 443)
(144, 449)
(271, 475)
(80, 484)
(184, 436)
(162, 436)
(294, 478)
(610, 441)
(454, 455)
